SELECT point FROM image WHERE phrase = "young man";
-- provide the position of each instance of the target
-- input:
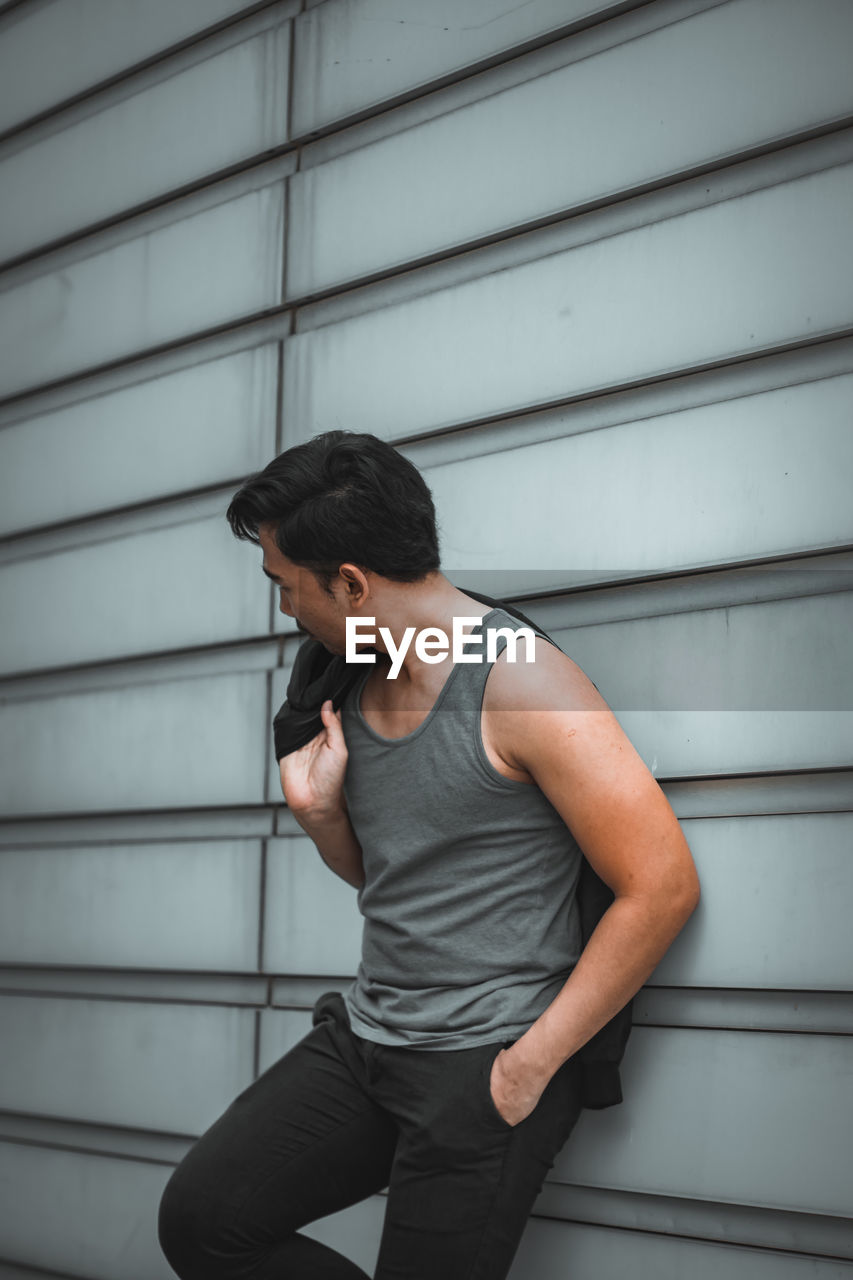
(457, 796)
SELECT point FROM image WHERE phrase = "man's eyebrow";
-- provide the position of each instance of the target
(273, 576)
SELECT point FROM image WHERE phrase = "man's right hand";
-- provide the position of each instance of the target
(312, 780)
(312, 777)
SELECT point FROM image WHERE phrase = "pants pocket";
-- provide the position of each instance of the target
(490, 1106)
(330, 1007)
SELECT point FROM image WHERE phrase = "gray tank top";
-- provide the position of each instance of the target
(471, 924)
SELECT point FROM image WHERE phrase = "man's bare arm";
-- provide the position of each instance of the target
(336, 843)
(312, 784)
(571, 743)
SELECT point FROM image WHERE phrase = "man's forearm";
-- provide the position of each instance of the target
(336, 843)
(625, 947)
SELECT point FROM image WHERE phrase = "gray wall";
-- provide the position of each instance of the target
(588, 264)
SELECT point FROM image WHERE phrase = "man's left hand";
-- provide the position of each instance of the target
(515, 1091)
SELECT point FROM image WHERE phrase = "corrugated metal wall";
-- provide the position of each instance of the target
(590, 265)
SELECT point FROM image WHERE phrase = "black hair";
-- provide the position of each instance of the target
(343, 495)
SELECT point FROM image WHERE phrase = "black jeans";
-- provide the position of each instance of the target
(339, 1118)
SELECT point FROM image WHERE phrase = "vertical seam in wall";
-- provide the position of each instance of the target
(256, 1047)
(288, 130)
(291, 62)
(261, 905)
(279, 423)
(279, 426)
(267, 752)
(268, 986)
(279, 396)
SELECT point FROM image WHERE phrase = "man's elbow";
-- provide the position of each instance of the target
(686, 896)
(675, 900)
(668, 896)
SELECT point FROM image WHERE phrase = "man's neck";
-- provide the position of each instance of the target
(433, 605)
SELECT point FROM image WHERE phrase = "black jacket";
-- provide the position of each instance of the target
(317, 675)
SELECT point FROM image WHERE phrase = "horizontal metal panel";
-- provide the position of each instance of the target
(83, 1135)
(753, 376)
(181, 743)
(151, 440)
(12, 1271)
(761, 923)
(76, 44)
(602, 1253)
(165, 1066)
(221, 264)
(527, 62)
(312, 922)
(353, 54)
(186, 584)
(750, 1008)
(748, 1117)
(734, 658)
(712, 186)
(809, 792)
(711, 285)
(180, 664)
(623, 599)
(702, 744)
(128, 905)
(756, 476)
(776, 894)
(187, 824)
(297, 993)
(802, 1233)
(713, 85)
(220, 987)
(103, 1218)
(223, 110)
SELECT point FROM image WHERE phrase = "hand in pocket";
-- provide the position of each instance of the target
(514, 1095)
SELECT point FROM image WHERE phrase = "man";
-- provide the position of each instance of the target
(457, 798)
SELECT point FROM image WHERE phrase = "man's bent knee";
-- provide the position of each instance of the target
(192, 1230)
(180, 1225)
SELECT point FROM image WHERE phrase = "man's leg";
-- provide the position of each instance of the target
(463, 1181)
(302, 1141)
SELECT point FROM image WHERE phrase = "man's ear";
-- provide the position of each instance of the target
(355, 582)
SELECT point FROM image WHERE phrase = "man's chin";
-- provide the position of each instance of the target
(330, 648)
(339, 650)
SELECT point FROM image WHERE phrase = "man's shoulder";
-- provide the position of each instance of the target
(521, 700)
(537, 676)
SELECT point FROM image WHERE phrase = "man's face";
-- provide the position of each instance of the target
(302, 597)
